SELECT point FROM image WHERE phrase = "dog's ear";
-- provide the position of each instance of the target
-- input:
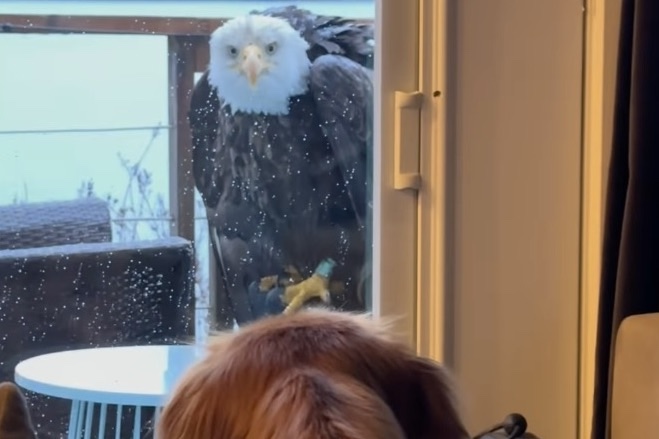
(424, 401)
(420, 391)
(15, 421)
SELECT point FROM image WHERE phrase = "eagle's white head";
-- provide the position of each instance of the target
(257, 63)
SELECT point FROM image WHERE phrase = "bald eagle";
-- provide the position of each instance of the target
(281, 134)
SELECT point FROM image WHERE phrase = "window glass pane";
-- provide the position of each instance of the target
(154, 186)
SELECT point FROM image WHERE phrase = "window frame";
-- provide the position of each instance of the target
(395, 240)
(433, 325)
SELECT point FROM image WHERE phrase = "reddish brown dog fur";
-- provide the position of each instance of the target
(312, 375)
(15, 420)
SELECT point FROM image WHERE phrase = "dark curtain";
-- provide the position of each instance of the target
(630, 266)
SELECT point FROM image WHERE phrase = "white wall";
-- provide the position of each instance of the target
(516, 187)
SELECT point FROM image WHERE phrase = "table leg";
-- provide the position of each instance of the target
(157, 413)
(73, 419)
(76, 419)
(137, 424)
(88, 420)
(81, 418)
(102, 420)
(156, 418)
(117, 431)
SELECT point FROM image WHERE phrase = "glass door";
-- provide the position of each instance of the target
(170, 167)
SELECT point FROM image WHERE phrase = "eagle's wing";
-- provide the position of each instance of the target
(214, 184)
(329, 34)
(236, 230)
(343, 92)
(203, 120)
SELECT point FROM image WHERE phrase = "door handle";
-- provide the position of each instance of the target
(407, 113)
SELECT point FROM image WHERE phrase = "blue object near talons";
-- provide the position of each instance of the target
(325, 268)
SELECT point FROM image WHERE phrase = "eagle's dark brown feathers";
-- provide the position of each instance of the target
(290, 190)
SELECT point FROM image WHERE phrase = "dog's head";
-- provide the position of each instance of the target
(312, 375)
(15, 420)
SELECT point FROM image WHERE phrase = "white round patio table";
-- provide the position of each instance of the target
(139, 376)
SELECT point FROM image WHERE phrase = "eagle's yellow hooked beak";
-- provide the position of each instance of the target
(252, 63)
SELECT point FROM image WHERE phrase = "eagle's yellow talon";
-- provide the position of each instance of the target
(269, 282)
(315, 286)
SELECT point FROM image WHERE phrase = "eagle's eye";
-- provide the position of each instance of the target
(270, 48)
(232, 51)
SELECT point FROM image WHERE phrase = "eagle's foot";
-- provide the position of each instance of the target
(317, 285)
(267, 283)
(289, 276)
(297, 295)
